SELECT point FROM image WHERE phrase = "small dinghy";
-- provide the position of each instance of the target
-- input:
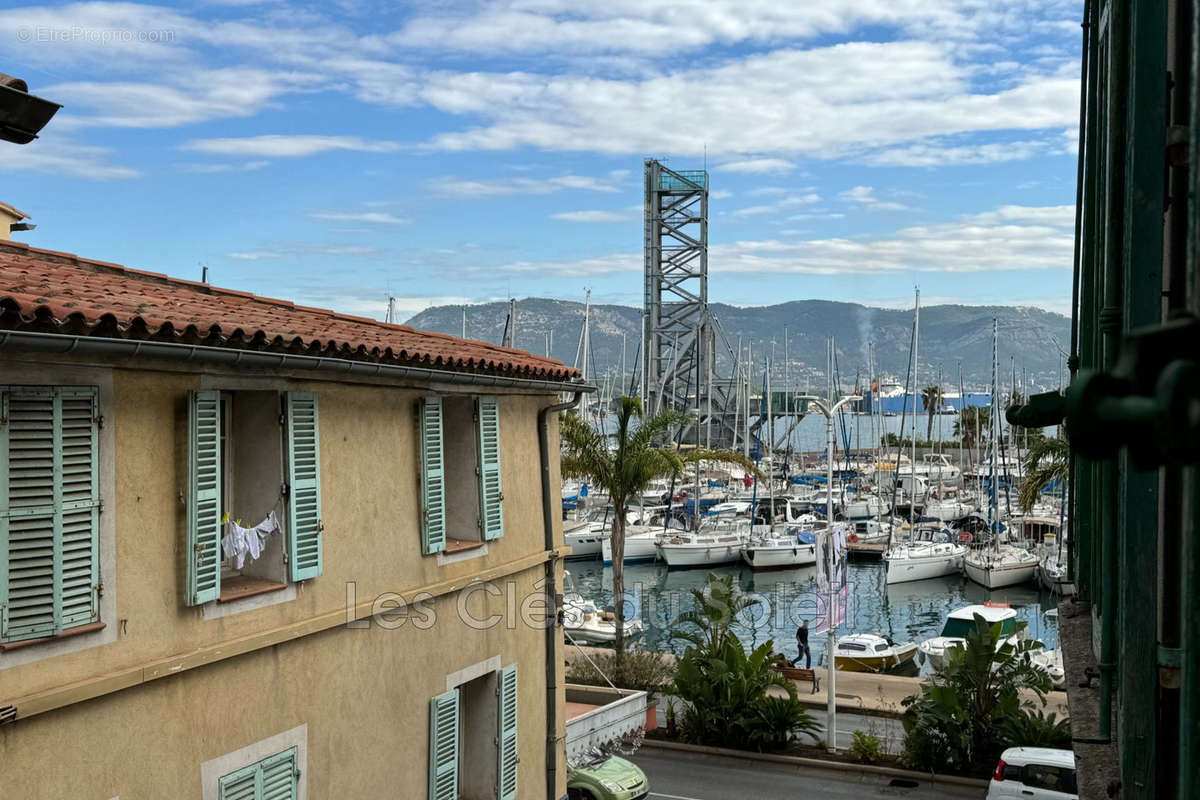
(870, 652)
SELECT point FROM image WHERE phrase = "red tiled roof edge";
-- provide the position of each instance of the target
(54, 292)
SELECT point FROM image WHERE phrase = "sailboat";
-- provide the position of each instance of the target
(929, 552)
(997, 562)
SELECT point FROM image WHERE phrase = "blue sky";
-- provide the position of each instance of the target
(444, 151)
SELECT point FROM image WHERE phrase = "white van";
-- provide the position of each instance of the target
(1034, 772)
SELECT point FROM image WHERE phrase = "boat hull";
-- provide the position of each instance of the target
(584, 545)
(699, 555)
(637, 549)
(803, 555)
(872, 663)
(903, 570)
(997, 576)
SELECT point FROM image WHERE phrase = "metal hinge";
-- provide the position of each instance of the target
(99, 421)
(99, 587)
(99, 506)
(3, 421)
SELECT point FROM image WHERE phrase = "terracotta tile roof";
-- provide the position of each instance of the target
(42, 290)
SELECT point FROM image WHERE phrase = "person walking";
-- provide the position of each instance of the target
(802, 645)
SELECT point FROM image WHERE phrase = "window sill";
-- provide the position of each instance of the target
(89, 628)
(461, 545)
(243, 586)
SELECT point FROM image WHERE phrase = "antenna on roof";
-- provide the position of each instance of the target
(203, 273)
(390, 318)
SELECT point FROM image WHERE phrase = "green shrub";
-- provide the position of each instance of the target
(634, 669)
(1036, 729)
(865, 747)
(956, 720)
(724, 689)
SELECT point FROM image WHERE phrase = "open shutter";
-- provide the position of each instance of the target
(80, 541)
(279, 776)
(491, 497)
(29, 498)
(506, 771)
(204, 497)
(304, 480)
(433, 476)
(443, 746)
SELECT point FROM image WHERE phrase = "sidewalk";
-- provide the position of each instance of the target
(863, 692)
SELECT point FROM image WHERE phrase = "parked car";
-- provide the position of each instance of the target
(607, 778)
(1037, 772)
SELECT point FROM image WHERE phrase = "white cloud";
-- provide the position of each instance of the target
(752, 211)
(254, 255)
(57, 156)
(865, 197)
(281, 146)
(932, 154)
(1008, 238)
(461, 187)
(303, 249)
(757, 165)
(593, 216)
(369, 217)
(207, 169)
(720, 194)
(851, 101)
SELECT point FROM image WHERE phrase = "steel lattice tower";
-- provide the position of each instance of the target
(680, 333)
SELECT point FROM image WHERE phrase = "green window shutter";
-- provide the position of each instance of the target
(274, 778)
(304, 480)
(433, 476)
(204, 497)
(443, 746)
(29, 518)
(491, 496)
(506, 738)
(80, 523)
(280, 778)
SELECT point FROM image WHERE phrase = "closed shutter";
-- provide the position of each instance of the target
(280, 776)
(443, 746)
(491, 496)
(506, 772)
(204, 497)
(304, 480)
(273, 778)
(49, 510)
(80, 507)
(433, 476)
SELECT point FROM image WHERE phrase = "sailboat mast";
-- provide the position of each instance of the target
(994, 459)
(912, 468)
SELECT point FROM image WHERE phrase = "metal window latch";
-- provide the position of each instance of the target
(285, 490)
(99, 420)
(99, 587)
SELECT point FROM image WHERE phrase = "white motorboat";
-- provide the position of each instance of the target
(959, 623)
(780, 549)
(946, 510)
(719, 542)
(582, 539)
(930, 554)
(997, 565)
(870, 531)
(865, 506)
(584, 623)
(870, 652)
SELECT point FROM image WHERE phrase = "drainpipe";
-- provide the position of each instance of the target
(553, 635)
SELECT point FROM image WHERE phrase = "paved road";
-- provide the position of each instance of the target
(686, 776)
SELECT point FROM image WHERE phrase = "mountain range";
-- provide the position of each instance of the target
(1031, 340)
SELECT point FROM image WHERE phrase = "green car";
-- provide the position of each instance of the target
(607, 778)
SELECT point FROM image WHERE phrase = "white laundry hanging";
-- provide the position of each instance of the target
(240, 542)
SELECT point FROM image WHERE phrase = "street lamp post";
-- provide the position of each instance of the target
(829, 408)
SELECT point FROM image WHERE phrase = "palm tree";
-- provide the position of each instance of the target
(1048, 461)
(624, 469)
(932, 397)
(970, 420)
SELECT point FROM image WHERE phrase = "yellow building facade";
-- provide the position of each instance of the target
(393, 635)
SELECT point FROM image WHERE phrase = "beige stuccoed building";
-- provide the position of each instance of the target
(254, 550)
